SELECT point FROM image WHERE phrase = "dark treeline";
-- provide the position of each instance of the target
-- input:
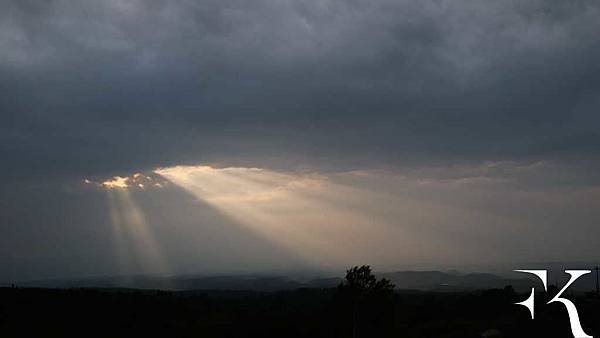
(361, 307)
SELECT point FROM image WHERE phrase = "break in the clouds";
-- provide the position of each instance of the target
(480, 114)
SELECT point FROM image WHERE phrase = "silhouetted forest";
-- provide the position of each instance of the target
(362, 306)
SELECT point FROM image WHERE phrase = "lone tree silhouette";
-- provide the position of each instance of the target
(364, 289)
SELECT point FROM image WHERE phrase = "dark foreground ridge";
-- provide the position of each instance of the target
(30, 312)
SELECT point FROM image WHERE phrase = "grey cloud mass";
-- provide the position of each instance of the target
(97, 86)
(502, 95)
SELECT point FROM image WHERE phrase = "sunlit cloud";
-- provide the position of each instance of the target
(139, 181)
(116, 182)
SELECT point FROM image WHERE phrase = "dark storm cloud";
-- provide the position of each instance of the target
(95, 87)
(474, 123)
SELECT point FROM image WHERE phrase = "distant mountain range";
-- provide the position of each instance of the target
(409, 280)
(444, 281)
(233, 282)
(414, 280)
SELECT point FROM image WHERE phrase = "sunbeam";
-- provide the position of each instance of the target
(338, 218)
(134, 241)
(123, 253)
(307, 214)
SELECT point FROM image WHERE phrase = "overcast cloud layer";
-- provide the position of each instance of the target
(96, 86)
(445, 90)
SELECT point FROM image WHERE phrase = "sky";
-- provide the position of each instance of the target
(220, 136)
